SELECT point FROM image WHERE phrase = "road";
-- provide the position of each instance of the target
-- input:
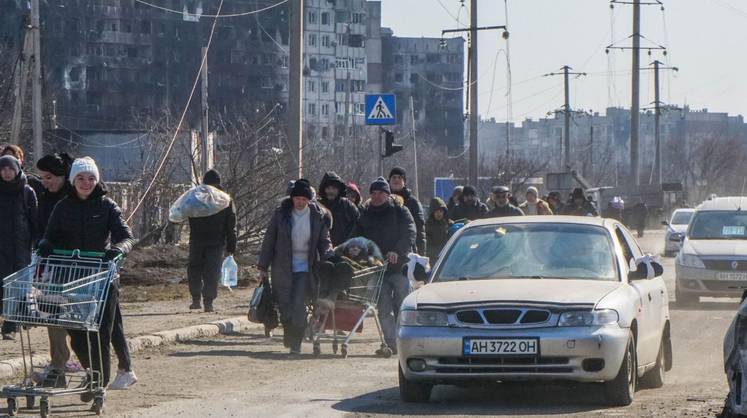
(249, 375)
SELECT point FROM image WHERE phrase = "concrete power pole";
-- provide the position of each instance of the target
(635, 105)
(566, 146)
(19, 89)
(295, 89)
(204, 144)
(473, 111)
(658, 166)
(36, 82)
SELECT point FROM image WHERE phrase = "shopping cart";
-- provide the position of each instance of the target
(351, 309)
(67, 290)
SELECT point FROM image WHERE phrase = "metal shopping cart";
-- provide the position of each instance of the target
(351, 308)
(67, 290)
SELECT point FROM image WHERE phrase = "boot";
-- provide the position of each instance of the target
(209, 306)
(195, 303)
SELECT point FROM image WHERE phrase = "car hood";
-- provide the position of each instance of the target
(560, 292)
(715, 247)
(681, 229)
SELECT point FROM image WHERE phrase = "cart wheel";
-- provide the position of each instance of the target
(335, 348)
(344, 351)
(30, 401)
(98, 405)
(12, 407)
(44, 408)
(317, 349)
(386, 352)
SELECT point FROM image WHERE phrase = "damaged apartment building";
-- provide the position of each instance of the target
(110, 64)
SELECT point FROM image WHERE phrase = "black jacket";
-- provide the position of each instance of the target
(94, 224)
(416, 210)
(47, 201)
(501, 211)
(344, 212)
(390, 226)
(18, 228)
(215, 230)
(586, 209)
(471, 212)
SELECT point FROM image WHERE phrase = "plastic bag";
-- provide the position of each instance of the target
(198, 202)
(229, 272)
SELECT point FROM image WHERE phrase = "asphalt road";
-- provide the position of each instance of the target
(249, 375)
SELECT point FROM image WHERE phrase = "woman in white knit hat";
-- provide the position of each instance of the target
(87, 220)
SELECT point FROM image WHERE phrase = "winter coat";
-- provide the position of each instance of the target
(612, 213)
(586, 209)
(215, 230)
(95, 224)
(390, 226)
(276, 253)
(18, 228)
(471, 212)
(416, 210)
(47, 201)
(437, 232)
(502, 211)
(344, 212)
(542, 207)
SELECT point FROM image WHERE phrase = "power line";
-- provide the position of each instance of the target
(166, 9)
(181, 119)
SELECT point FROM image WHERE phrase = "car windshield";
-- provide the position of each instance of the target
(719, 225)
(567, 251)
(681, 218)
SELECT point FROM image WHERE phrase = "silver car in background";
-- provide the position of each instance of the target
(676, 230)
(538, 298)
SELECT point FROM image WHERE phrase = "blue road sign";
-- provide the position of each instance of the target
(381, 109)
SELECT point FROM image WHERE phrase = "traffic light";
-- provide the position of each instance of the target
(390, 147)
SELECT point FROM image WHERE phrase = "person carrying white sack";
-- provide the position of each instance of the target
(212, 236)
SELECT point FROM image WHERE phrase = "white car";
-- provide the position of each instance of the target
(676, 230)
(538, 298)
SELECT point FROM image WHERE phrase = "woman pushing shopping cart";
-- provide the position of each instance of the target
(89, 222)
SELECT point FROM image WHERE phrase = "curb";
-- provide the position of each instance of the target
(12, 367)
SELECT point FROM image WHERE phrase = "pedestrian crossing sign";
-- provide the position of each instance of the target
(381, 109)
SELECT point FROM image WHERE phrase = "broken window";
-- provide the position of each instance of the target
(132, 52)
(325, 18)
(145, 27)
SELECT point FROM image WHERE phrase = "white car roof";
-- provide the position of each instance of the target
(724, 203)
(582, 220)
(683, 210)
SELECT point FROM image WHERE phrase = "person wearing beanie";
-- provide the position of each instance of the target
(503, 206)
(578, 205)
(389, 224)
(344, 212)
(87, 220)
(470, 207)
(17, 152)
(296, 241)
(437, 228)
(398, 183)
(456, 197)
(18, 229)
(533, 205)
(555, 202)
(211, 238)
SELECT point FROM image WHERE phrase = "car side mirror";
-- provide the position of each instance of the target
(646, 268)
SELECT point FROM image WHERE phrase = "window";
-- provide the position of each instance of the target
(433, 58)
(312, 17)
(414, 59)
(311, 85)
(358, 18)
(398, 59)
(340, 86)
(325, 109)
(325, 86)
(342, 63)
(324, 64)
(325, 41)
(145, 27)
(284, 61)
(325, 132)
(312, 109)
(325, 18)
(398, 77)
(312, 39)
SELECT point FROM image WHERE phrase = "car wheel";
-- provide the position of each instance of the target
(413, 392)
(685, 299)
(620, 391)
(654, 378)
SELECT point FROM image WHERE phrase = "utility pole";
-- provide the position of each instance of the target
(295, 89)
(566, 148)
(414, 148)
(204, 151)
(472, 86)
(36, 83)
(19, 89)
(658, 170)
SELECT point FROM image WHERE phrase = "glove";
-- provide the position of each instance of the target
(44, 248)
(112, 254)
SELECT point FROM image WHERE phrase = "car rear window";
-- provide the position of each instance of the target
(719, 225)
(681, 218)
(530, 251)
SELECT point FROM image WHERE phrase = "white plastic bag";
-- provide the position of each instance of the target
(198, 202)
(229, 273)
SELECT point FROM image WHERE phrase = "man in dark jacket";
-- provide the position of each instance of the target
(503, 206)
(387, 222)
(437, 228)
(469, 207)
(344, 212)
(398, 185)
(210, 239)
(579, 205)
(18, 228)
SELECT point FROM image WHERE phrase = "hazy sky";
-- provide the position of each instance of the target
(705, 39)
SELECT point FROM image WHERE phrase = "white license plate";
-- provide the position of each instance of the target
(732, 276)
(501, 346)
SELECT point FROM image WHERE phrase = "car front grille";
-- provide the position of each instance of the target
(725, 265)
(528, 364)
(503, 316)
(725, 285)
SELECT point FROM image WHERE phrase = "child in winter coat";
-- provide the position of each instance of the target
(353, 255)
(437, 228)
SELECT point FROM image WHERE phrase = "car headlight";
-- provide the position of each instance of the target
(689, 260)
(588, 318)
(423, 318)
(675, 236)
